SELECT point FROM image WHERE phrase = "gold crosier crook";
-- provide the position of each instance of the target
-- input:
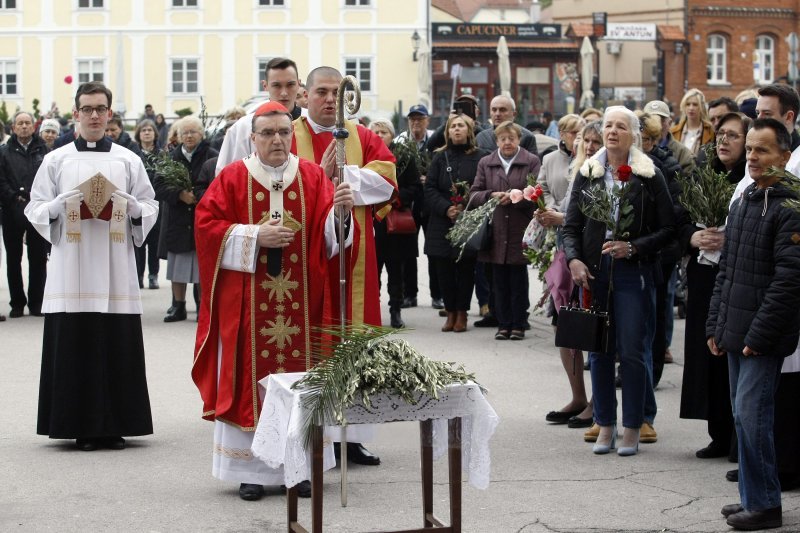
(350, 101)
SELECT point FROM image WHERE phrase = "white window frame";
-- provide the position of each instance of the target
(261, 65)
(283, 5)
(91, 5)
(4, 3)
(184, 6)
(716, 58)
(171, 71)
(765, 56)
(360, 59)
(4, 63)
(358, 5)
(92, 62)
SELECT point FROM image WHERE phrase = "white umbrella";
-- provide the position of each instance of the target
(504, 67)
(424, 74)
(587, 73)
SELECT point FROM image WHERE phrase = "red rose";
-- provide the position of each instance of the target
(624, 173)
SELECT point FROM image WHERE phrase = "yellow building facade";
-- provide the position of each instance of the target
(169, 53)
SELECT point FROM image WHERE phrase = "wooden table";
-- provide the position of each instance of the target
(429, 520)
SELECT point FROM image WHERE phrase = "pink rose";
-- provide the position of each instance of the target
(516, 195)
(528, 192)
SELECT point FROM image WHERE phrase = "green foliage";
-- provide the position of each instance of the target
(598, 203)
(542, 257)
(365, 361)
(468, 223)
(36, 112)
(172, 173)
(183, 112)
(4, 116)
(405, 150)
(706, 194)
(791, 182)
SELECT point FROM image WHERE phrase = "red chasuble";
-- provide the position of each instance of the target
(366, 150)
(264, 323)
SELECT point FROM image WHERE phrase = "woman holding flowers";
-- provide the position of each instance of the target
(451, 172)
(502, 175)
(705, 393)
(619, 217)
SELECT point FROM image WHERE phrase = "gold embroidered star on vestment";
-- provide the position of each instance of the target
(280, 286)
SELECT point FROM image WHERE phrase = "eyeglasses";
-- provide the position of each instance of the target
(729, 135)
(282, 133)
(88, 110)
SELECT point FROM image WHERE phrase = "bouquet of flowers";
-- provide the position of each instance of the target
(601, 204)
(459, 192)
(707, 194)
(361, 362)
(173, 173)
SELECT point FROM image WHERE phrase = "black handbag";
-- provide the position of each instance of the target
(481, 240)
(583, 329)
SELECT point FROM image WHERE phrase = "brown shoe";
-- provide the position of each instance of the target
(461, 322)
(668, 360)
(592, 433)
(451, 320)
(647, 434)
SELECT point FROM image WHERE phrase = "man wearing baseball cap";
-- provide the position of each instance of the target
(681, 153)
(418, 121)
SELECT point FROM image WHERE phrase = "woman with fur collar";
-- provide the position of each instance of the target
(645, 222)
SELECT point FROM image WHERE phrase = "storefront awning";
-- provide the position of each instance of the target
(475, 46)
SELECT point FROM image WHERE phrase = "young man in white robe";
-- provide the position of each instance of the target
(93, 386)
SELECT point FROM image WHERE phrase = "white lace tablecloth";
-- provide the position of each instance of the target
(278, 439)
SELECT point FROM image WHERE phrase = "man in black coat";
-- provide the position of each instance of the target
(753, 317)
(19, 160)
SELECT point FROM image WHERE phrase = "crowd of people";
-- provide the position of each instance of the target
(253, 225)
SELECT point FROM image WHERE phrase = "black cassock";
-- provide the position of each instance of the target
(93, 381)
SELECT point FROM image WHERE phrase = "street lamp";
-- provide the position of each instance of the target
(415, 41)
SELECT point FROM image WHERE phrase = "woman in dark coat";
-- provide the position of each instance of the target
(620, 263)
(454, 163)
(394, 250)
(705, 393)
(178, 223)
(146, 137)
(507, 168)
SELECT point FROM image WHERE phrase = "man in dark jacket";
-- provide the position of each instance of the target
(116, 130)
(753, 317)
(19, 160)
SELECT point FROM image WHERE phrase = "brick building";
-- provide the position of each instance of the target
(738, 44)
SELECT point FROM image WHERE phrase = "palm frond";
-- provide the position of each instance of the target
(362, 361)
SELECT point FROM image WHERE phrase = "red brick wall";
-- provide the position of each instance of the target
(741, 26)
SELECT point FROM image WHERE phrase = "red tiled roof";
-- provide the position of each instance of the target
(579, 29)
(670, 33)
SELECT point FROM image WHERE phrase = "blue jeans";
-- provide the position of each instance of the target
(754, 380)
(632, 310)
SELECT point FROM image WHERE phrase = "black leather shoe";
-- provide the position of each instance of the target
(409, 301)
(36, 312)
(395, 317)
(489, 321)
(732, 475)
(17, 312)
(86, 445)
(251, 492)
(711, 451)
(2, 318)
(730, 509)
(437, 303)
(561, 417)
(176, 313)
(753, 520)
(576, 422)
(356, 453)
(113, 443)
(304, 489)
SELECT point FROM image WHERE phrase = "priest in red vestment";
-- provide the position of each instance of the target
(370, 171)
(266, 230)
